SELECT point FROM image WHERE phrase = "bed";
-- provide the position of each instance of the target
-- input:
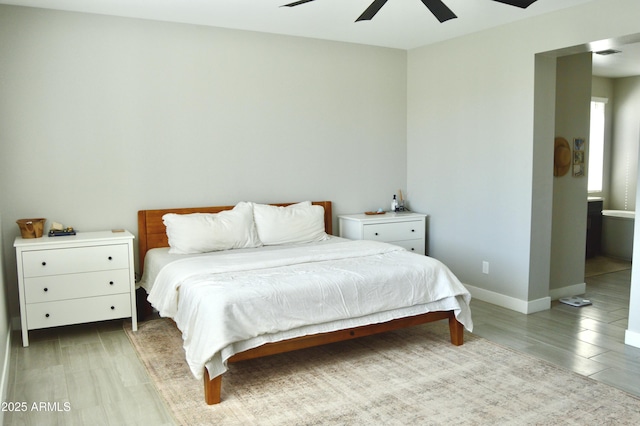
(225, 294)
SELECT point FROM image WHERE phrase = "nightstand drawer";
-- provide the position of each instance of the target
(75, 286)
(406, 230)
(52, 314)
(38, 263)
(414, 246)
(394, 231)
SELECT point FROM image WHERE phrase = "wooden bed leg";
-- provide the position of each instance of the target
(456, 330)
(212, 388)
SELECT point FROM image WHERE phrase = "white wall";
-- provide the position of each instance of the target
(5, 335)
(624, 152)
(632, 335)
(471, 146)
(461, 168)
(569, 218)
(627, 128)
(103, 116)
(542, 183)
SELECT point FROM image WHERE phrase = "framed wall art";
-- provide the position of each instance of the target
(578, 157)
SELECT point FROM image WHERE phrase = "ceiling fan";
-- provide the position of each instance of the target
(437, 7)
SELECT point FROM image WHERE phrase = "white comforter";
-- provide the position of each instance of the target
(230, 303)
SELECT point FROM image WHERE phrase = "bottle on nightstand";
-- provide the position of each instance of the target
(394, 203)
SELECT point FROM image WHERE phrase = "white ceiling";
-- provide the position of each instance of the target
(402, 24)
(623, 64)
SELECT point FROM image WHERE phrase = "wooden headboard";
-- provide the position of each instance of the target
(153, 234)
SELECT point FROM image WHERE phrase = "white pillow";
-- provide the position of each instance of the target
(296, 223)
(205, 232)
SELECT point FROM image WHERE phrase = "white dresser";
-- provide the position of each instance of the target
(407, 230)
(75, 279)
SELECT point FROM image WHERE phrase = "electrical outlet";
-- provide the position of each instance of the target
(485, 267)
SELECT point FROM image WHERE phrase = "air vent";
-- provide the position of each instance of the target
(607, 52)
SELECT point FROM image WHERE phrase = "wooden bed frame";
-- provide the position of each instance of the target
(152, 234)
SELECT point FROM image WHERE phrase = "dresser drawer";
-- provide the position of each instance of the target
(38, 263)
(52, 314)
(75, 286)
(394, 231)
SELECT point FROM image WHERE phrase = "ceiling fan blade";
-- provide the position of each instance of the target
(371, 10)
(518, 3)
(440, 10)
(296, 3)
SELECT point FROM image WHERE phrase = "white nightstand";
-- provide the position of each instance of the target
(75, 279)
(407, 230)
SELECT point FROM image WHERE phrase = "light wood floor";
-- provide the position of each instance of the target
(94, 368)
(588, 340)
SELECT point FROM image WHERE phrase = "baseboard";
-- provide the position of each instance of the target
(518, 305)
(4, 384)
(15, 323)
(632, 338)
(570, 290)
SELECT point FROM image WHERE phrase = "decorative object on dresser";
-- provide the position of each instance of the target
(59, 230)
(31, 228)
(75, 279)
(407, 230)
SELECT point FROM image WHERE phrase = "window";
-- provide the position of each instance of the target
(596, 145)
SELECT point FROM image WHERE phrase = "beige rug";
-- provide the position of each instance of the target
(409, 377)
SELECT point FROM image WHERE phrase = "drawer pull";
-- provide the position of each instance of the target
(113, 308)
(412, 249)
(44, 263)
(110, 282)
(46, 289)
(110, 258)
(413, 230)
(376, 233)
(46, 315)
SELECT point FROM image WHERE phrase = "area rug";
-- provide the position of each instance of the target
(407, 377)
